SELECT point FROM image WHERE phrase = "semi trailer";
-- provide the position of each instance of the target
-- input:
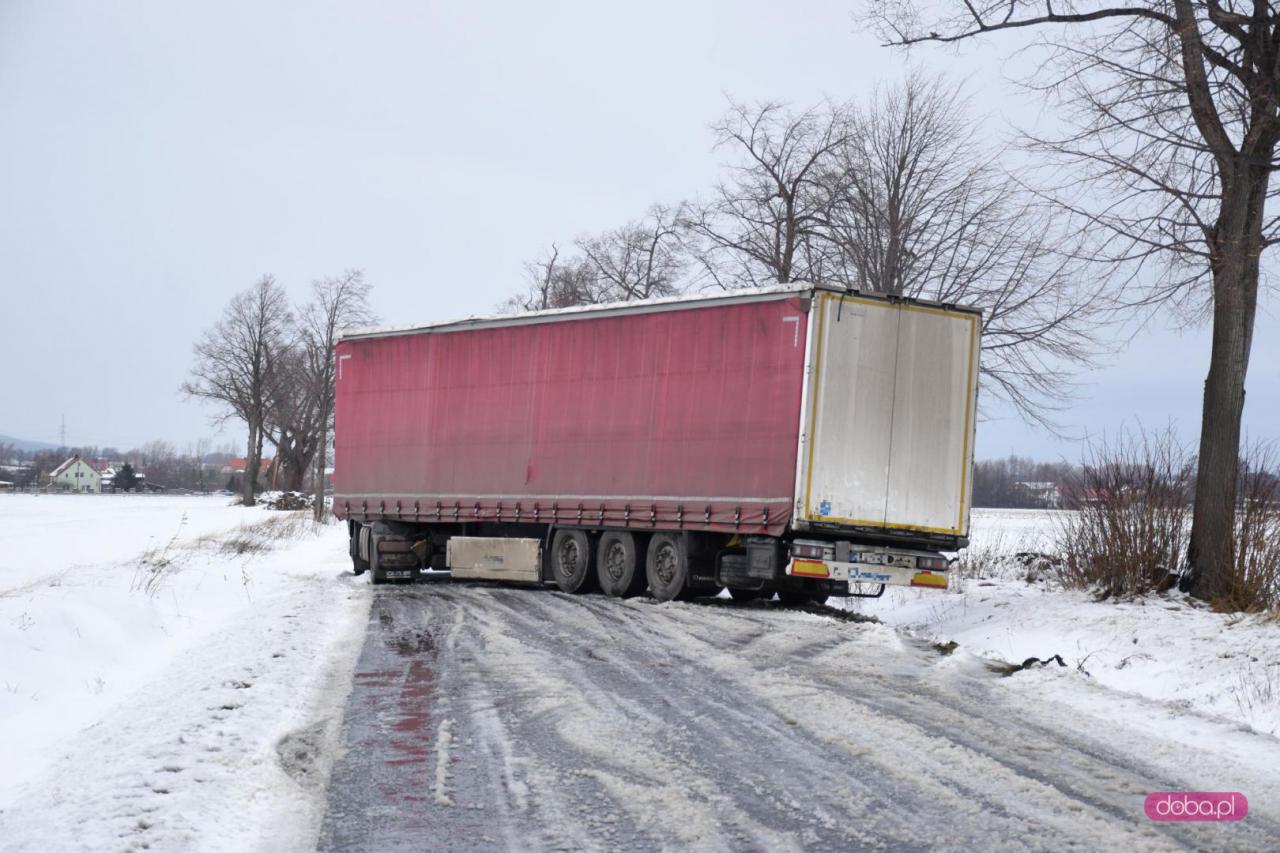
(803, 439)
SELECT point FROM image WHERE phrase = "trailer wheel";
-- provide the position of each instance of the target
(618, 564)
(667, 567)
(359, 565)
(375, 575)
(572, 563)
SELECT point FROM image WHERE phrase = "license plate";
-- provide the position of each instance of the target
(402, 573)
(897, 561)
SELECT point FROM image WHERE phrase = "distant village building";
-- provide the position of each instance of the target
(75, 475)
(236, 465)
(1042, 494)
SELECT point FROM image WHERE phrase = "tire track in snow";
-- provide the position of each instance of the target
(964, 708)
(959, 791)
(593, 723)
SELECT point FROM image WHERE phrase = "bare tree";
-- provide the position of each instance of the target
(918, 205)
(337, 303)
(1175, 114)
(234, 361)
(640, 260)
(539, 292)
(557, 282)
(643, 259)
(760, 225)
(158, 464)
(293, 417)
(197, 453)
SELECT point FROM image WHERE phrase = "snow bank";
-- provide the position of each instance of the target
(289, 501)
(170, 671)
(1169, 648)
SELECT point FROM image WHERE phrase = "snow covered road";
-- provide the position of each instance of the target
(486, 717)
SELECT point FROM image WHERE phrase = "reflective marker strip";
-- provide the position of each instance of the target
(811, 568)
(929, 579)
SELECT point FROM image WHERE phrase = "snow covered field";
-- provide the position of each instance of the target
(144, 704)
(1169, 648)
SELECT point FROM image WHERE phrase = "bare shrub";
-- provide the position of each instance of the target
(1254, 584)
(1256, 689)
(260, 536)
(157, 564)
(1129, 536)
(1003, 557)
(979, 561)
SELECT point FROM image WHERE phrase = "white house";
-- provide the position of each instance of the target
(75, 475)
(1047, 495)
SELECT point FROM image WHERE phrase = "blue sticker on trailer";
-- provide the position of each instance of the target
(824, 508)
(877, 577)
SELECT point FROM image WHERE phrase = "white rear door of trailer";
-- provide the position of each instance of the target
(890, 409)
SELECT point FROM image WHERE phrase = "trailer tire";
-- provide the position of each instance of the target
(359, 565)
(618, 564)
(573, 561)
(794, 598)
(749, 594)
(667, 567)
(375, 576)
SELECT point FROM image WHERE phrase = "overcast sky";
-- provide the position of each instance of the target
(157, 157)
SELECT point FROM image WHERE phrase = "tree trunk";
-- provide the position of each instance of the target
(289, 464)
(322, 458)
(253, 465)
(250, 468)
(294, 463)
(1238, 245)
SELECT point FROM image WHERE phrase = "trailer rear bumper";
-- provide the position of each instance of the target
(861, 573)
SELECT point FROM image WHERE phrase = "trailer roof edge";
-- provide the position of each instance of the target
(642, 306)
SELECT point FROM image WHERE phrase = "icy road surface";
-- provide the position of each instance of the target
(487, 717)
